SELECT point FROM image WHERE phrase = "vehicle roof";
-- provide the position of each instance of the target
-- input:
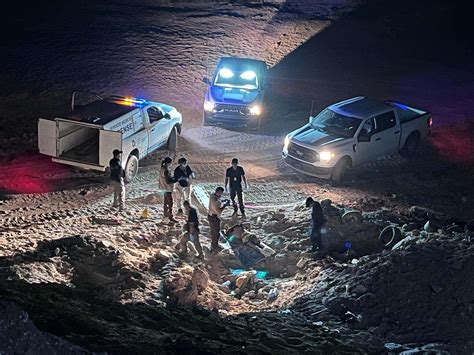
(361, 107)
(99, 112)
(238, 61)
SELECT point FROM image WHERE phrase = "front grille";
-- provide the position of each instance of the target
(303, 153)
(236, 110)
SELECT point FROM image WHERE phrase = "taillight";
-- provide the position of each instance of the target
(430, 122)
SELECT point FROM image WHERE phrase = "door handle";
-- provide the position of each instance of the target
(377, 139)
(396, 132)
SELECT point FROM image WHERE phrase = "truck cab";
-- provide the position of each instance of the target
(353, 132)
(86, 136)
(235, 93)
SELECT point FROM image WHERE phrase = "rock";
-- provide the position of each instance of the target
(243, 279)
(250, 295)
(200, 279)
(272, 295)
(436, 289)
(393, 347)
(277, 216)
(302, 263)
(431, 226)
(359, 289)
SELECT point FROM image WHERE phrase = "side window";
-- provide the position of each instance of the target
(155, 114)
(368, 128)
(385, 121)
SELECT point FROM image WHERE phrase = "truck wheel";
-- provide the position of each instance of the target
(340, 170)
(410, 146)
(173, 140)
(389, 236)
(131, 169)
(204, 120)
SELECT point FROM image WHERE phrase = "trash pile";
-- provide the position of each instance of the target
(419, 291)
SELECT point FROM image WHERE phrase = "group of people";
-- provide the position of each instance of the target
(177, 185)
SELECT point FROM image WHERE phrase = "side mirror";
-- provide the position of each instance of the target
(167, 115)
(363, 138)
(206, 81)
(311, 119)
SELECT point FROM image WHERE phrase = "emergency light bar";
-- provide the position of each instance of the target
(128, 101)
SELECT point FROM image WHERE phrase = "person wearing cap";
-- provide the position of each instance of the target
(166, 185)
(183, 176)
(117, 174)
(233, 179)
(216, 207)
(317, 221)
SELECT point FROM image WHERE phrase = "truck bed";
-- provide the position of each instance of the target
(87, 151)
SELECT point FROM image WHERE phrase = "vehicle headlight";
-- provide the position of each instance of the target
(287, 143)
(255, 110)
(326, 157)
(208, 106)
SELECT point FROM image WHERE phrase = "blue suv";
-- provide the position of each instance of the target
(235, 93)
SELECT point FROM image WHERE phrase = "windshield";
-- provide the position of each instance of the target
(228, 78)
(334, 123)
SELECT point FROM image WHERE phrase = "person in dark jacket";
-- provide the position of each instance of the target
(117, 174)
(166, 184)
(183, 176)
(317, 221)
(234, 177)
(191, 229)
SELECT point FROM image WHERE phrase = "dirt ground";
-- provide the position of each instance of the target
(114, 282)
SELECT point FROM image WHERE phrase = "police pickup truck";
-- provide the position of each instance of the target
(352, 132)
(235, 93)
(87, 135)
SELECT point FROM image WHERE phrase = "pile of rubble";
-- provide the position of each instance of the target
(418, 291)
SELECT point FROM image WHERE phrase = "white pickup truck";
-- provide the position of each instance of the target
(352, 132)
(87, 135)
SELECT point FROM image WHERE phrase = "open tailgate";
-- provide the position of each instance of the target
(108, 141)
(47, 134)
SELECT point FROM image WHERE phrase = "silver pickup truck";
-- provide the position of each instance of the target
(86, 136)
(352, 132)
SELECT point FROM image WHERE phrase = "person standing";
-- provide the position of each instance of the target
(216, 207)
(191, 231)
(183, 176)
(166, 184)
(117, 174)
(233, 180)
(317, 221)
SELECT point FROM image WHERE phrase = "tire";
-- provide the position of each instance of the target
(410, 146)
(131, 168)
(173, 140)
(204, 120)
(340, 170)
(389, 236)
(351, 217)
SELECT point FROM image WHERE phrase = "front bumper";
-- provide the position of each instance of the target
(228, 119)
(307, 168)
